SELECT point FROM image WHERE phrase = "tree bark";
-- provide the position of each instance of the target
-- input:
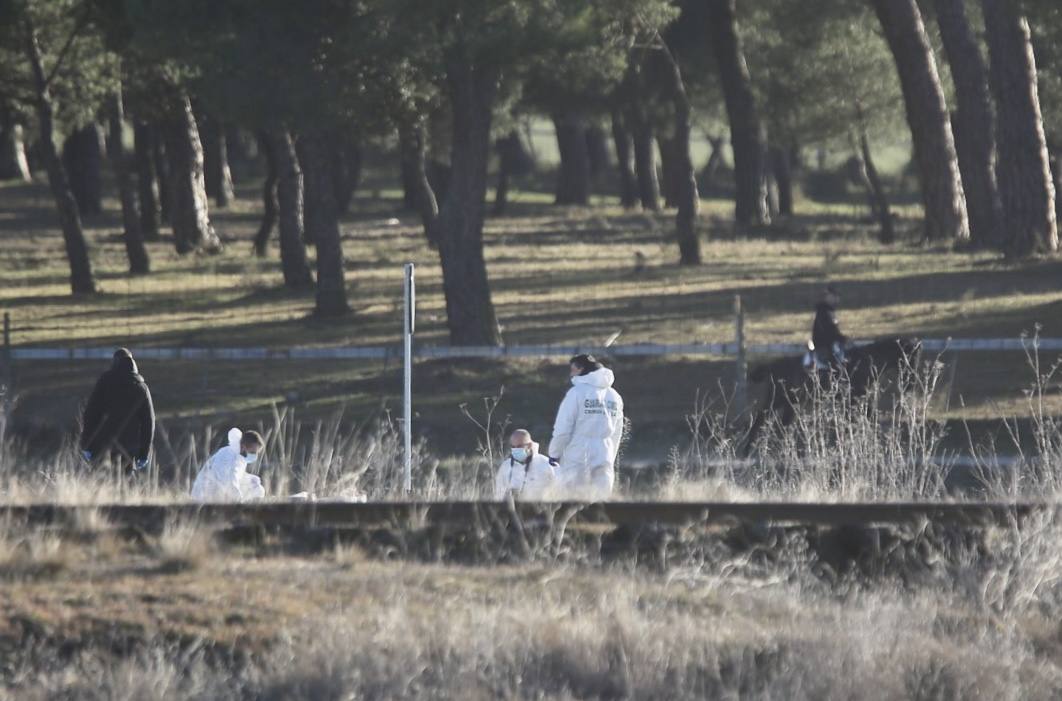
(83, 160)
(321, 200)
(411, 143)
(81, 281)
(644, 160)
(459, 228)
(927, 116)
(573, 172)
(162, 172)
(669, 171)
(147, 183)
(747, 132)
(269, 198)
(683, 175)
(972, 124)
(190, 217)
(781, 170)
(290, 208)
(216, 170)
(346, 173)
(877, 200)
(715, 161)
(1025, 184)
(507, 148)
(624, 159)
(139, 263)
(596, 150)
(13, 162)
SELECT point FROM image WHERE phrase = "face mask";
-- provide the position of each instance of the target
(250, 457)
(520, 454)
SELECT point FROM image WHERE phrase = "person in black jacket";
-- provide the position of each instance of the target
(826, 335)
(119, 420)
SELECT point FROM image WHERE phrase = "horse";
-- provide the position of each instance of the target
(788, 381)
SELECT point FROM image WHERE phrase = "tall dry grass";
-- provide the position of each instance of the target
(886, 445)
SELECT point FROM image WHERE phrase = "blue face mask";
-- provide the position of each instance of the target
(520, 454)
(250, 457)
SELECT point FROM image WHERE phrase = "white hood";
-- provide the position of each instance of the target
(235, 436)
(599, 379)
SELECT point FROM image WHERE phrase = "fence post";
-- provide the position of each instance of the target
(9, 369)
(740, 364)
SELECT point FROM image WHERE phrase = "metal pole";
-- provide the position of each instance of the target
(9, 370)
(407, 396)
(741, 366)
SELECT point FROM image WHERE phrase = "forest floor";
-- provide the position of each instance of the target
(558, 275)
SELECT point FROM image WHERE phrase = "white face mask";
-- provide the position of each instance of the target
(250, 457)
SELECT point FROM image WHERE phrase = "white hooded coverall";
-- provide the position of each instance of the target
(531, 482)
(586, 436)
(224, 477)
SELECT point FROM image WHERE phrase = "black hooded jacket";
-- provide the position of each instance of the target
(825, 332)
(119, 416)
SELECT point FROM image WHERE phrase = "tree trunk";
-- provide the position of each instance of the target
(147, 183)
(459, 227)
(1025, 184)
(290, 208)
(162, 172)
(411, 142)
(269, 198)
(645, 161)
(508, 148)
(597, 150)
(624, 159)
(83, 160)
(668, 171)
(216, 171)
(321, 200)
(683, 176)
(190, 217)
(877, 200)
(747, 132)
(972, 124)
(139, 264)
(309, 186)
(13, 162)
(715, 161)
(81, 281)
(573, 173)
(781, 170)
(345, 172)
(1057, 180)
(927, 116)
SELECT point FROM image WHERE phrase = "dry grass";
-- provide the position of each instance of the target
(183, 546)
(715, 625)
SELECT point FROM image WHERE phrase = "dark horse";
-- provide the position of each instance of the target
(788, 382)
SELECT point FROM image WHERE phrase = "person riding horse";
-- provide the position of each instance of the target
(827, 341)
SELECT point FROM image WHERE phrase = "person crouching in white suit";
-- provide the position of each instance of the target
(224, 477)
(526, 474)
(587, 432)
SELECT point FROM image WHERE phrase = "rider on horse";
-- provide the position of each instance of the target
(827, 340)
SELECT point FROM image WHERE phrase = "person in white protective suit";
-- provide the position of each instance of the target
(526, 473)
(224, 477)
(587, 432)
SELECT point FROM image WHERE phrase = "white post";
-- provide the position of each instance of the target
(407, 394)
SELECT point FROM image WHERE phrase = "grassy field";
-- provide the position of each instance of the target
(91, 613)
(559, 275)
